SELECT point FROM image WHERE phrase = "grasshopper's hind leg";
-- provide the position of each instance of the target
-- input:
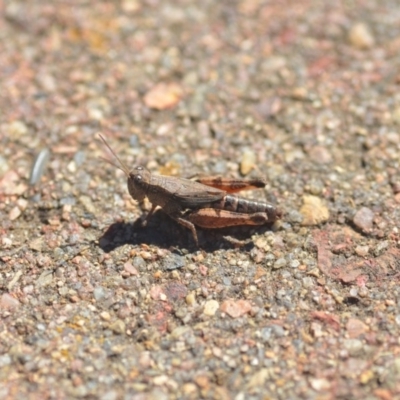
(212, 218)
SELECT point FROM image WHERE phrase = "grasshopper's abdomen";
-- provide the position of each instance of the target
(244, 206)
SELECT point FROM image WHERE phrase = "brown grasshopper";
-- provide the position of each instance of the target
(206, 203)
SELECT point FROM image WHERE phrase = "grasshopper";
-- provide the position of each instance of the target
(208, 202)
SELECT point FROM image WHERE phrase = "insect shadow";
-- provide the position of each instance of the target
(162, 232)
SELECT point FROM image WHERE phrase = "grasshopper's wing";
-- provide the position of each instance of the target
(193, 194)
(232, 185)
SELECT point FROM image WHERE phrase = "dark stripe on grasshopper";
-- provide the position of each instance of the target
(244, 206)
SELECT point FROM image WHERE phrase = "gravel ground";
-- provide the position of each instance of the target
(303, 93)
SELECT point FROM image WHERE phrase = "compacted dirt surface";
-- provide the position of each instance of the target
(305, 94)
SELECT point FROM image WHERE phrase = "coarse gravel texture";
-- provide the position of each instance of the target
(303, 93)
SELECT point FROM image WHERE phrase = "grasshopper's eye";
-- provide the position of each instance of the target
(138, 178)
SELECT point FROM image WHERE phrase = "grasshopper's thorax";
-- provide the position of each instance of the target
(138, 182)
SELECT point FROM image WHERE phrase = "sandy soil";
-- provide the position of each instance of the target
(302, 93)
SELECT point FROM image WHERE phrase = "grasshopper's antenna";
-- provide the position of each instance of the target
(122, 166)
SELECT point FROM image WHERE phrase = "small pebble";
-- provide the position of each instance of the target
(10, 184)
(110, 395)
(22, 204)
(280, 263)
(355, 327)
(220, 167)
(320, 155)
(189, 390)
(191, 299)
(105, 315)
(6, 242)
(138, 263)
(173, 261)
(79, 158)
(72, 167)
(163, 96)
(155, 292)
(160, 380)
(353, 346)
(68, 201)
(45, 279)
(95, 113)
(5, 360)
(320, 384)
(362, 251)
(247, 162)
(134, 141)
(300, 93)
(180, 331)
(118, 326)
(8, 302)
(4, 167)
(128, 267)
(14, 213)
(366, 376)
(381, 247)
(99, 293)
(259, 379)
(314, 211)
(360, 36)
(236, 308)
(146, 255)
(294, 216)
(17, 129)
(268, 107)
(211, 307)
(87, 202)
(363, 219)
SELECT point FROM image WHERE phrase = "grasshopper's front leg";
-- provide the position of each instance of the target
(188, 224)
(149, 214)
(211, 218)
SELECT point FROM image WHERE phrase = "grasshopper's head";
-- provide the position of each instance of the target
(138, 182)
(137, 179)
